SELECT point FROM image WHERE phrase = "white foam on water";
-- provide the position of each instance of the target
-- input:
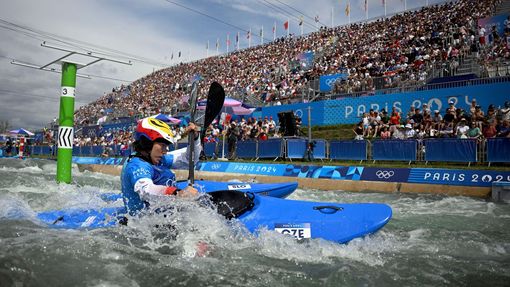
(15, 208)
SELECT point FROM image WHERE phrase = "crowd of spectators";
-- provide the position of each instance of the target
(244, 129)
(400, 49)
(421, 123)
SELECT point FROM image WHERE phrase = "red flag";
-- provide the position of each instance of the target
(286, 25)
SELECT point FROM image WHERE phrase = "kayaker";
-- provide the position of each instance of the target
(147, 172)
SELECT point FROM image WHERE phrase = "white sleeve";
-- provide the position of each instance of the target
(180, 156)
(145, 186)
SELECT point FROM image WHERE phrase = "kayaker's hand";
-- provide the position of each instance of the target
(189, 191)
(192, 127)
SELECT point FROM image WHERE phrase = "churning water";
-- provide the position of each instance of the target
(431, 241)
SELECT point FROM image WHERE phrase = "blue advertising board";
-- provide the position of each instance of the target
(497, 21)
(350, 110)
(480, 178)
(327, 81)
(457, 177)
(385, 174)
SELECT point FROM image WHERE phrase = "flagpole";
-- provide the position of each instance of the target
(332, 17)
(237, 40)
(316, 23)
(405, 5)
(249, 38)
(274, 31)
(384, 8)
(217, 46)
(262, 35)
(288, 27)
(302, 24)
(228, 41)
(348, 11)
(366, 10)
(207, 50)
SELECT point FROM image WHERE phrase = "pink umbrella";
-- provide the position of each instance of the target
(229, 102)
(241, 111)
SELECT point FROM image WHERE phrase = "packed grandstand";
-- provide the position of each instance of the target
(402, 54)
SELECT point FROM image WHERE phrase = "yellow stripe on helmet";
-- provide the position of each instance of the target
(160, 126)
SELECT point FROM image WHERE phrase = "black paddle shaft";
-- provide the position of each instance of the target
(215, 99)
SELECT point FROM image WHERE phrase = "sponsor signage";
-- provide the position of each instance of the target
(411, 175)
(385, 174)
(457, 177)
(328, 81)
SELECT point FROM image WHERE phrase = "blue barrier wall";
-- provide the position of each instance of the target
(498, 150)
(460, 150)
(271, 148)
(209, 149)
(394, 150)
(246, 149)
(349, 110)
(320, 149)
(348, 150)
(296, 148)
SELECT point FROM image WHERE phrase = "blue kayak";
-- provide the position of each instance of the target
(302, 219)
(280, 189)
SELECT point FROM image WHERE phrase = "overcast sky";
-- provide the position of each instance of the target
(148, 29)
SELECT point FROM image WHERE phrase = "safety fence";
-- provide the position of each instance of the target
(444, 150)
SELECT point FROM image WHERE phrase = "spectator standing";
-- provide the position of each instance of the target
(505, 111)
(232, 135)
(504, 130)
(474, 131)
(462, 129)
(489, 130)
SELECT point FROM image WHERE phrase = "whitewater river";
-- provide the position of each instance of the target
(431, 241)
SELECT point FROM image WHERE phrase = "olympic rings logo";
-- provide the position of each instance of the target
(385, 174)
(331, 81)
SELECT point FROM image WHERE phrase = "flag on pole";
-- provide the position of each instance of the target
(274, 31)
(366, 9)
(179, 54)
(286, 25)
(172, 57)
(317, 19)
(301, 24)
(237, 40)
(248, 34)
(207, 45)
(249, 38)
(348, 9)
(261, 35)
(228, 41)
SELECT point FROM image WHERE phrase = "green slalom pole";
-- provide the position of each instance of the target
(66, 123)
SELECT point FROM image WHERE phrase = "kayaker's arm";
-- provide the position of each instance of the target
(179, 158)
(145, 186)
